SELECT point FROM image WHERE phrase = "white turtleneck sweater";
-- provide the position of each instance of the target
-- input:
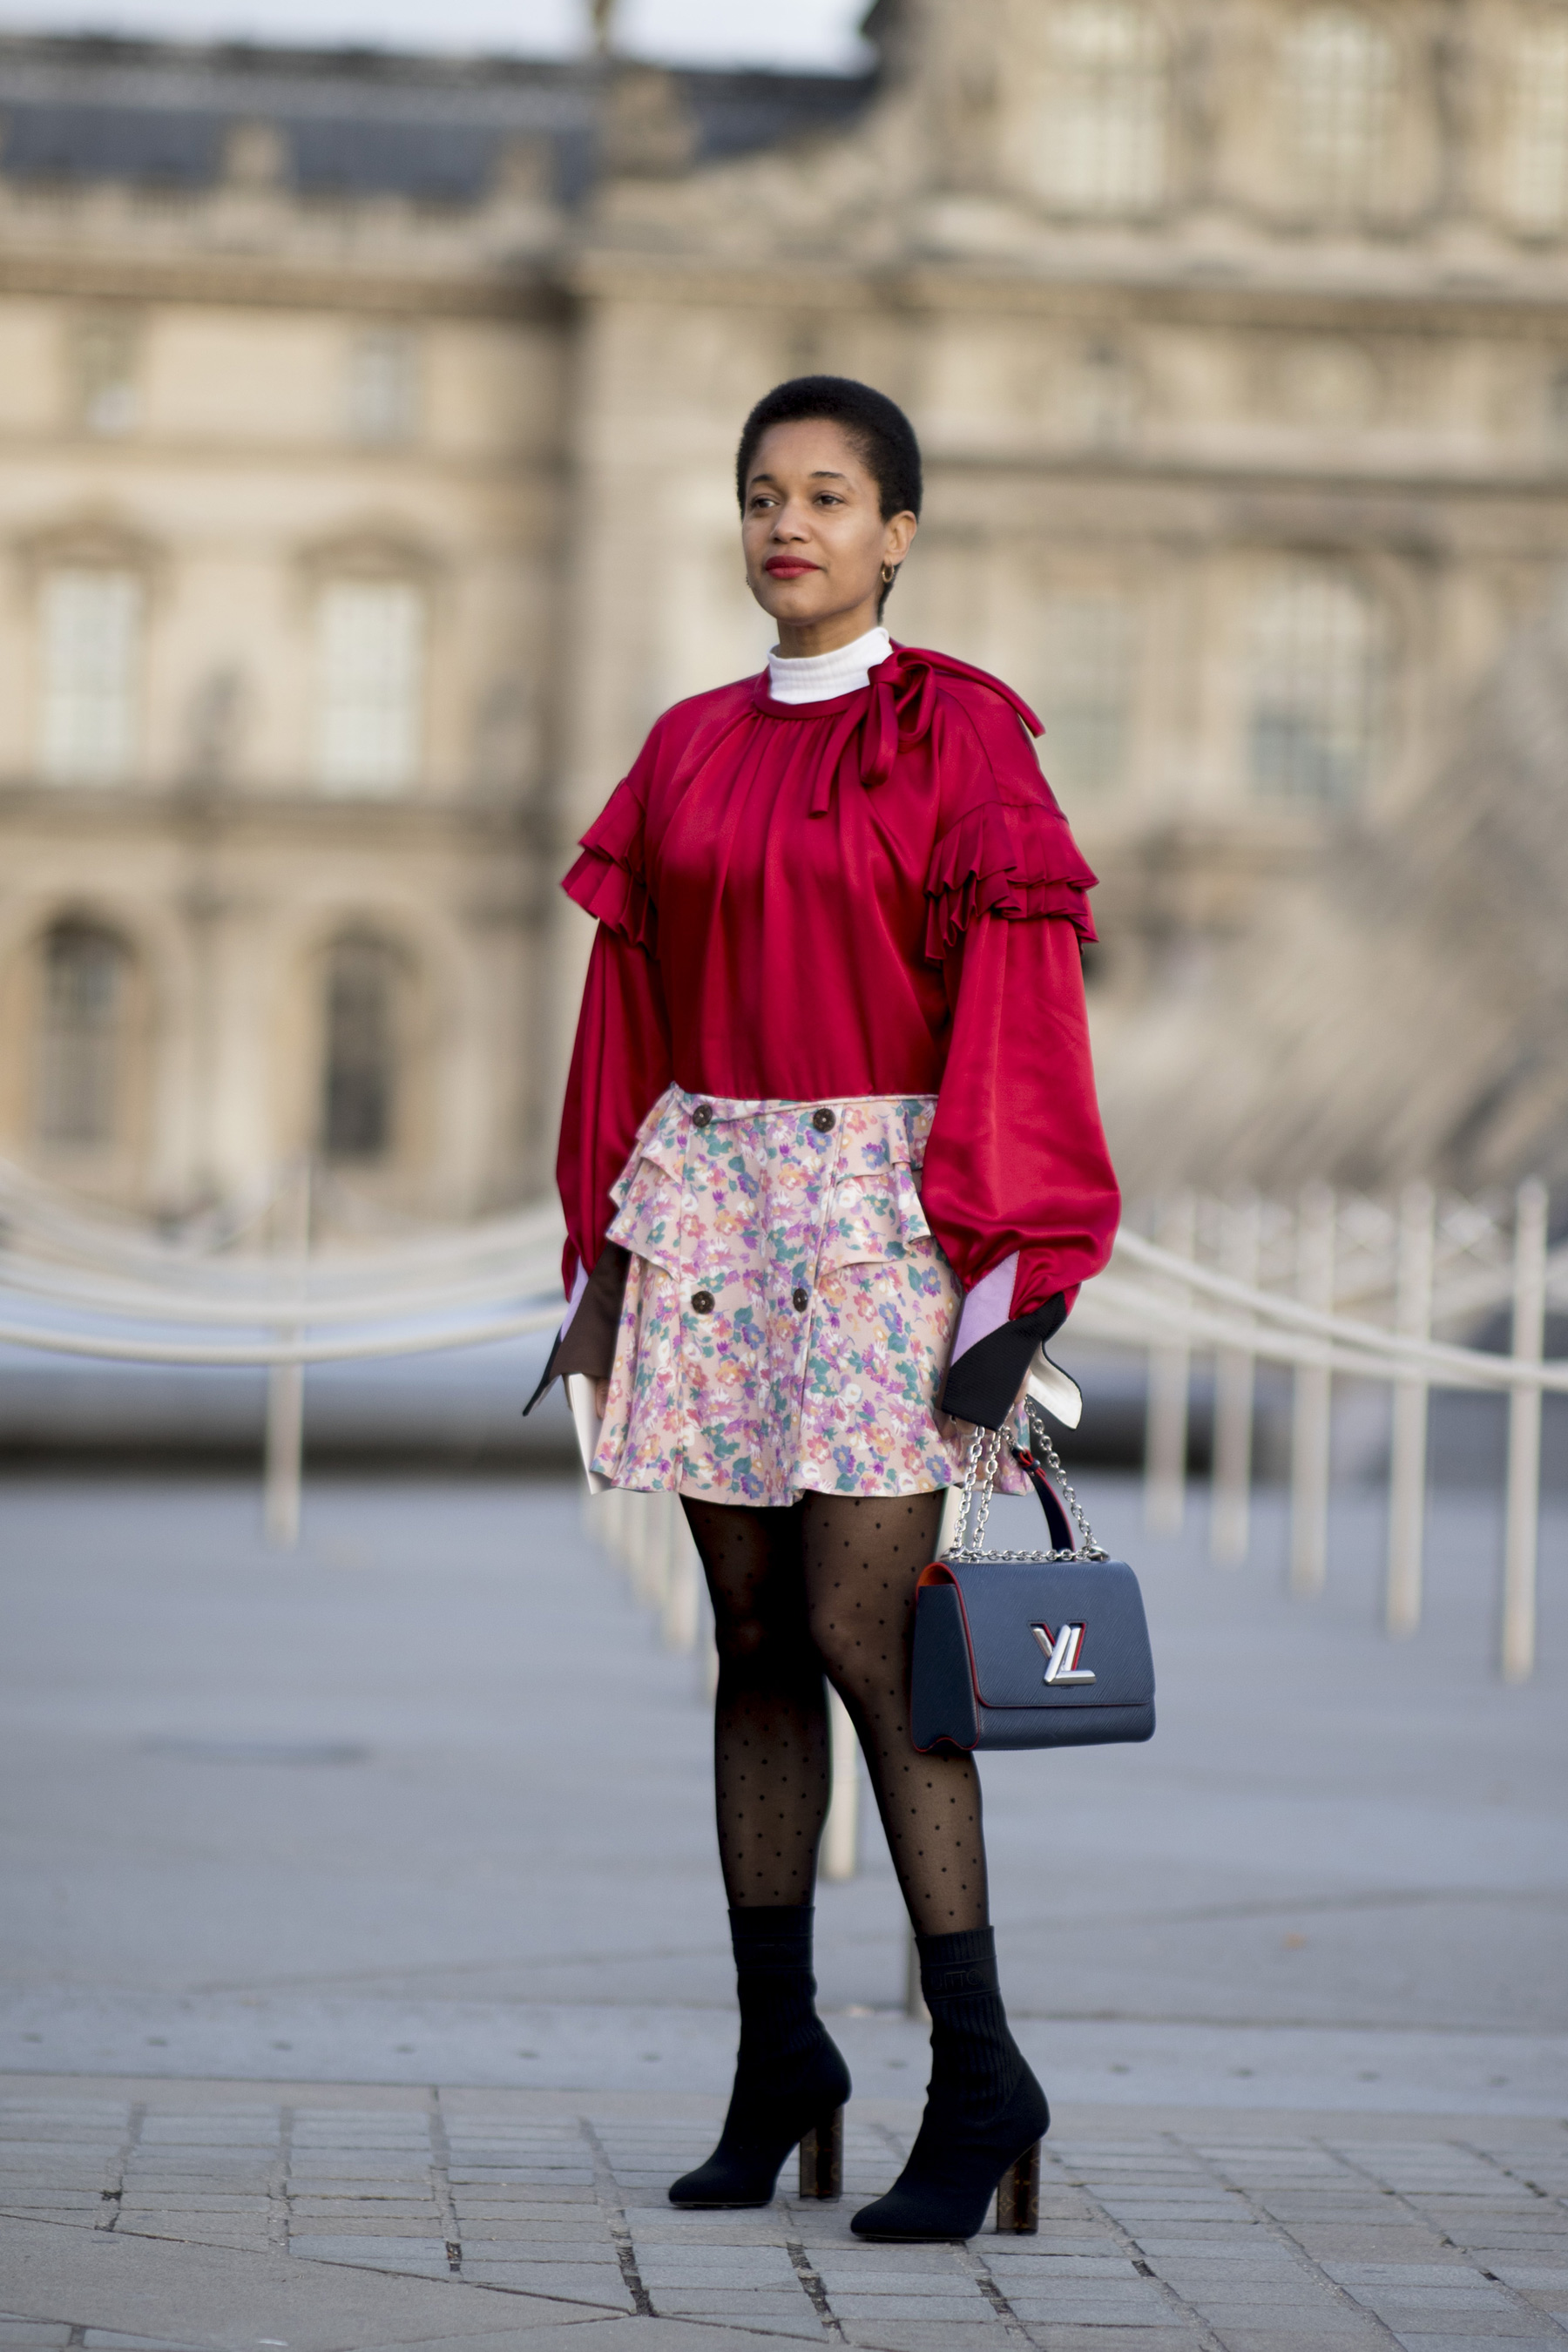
(818, 677)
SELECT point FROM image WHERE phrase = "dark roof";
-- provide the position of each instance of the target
(364, 121)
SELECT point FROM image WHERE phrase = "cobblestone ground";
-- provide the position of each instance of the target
(1254, 2234)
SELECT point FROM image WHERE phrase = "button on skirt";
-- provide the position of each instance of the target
(788, 1311)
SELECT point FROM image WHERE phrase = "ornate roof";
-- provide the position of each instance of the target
(364, 121)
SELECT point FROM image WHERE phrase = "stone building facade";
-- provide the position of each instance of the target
(365, 437)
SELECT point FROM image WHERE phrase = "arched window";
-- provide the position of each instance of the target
(1316, 688)
(1340, 73)
(83, 1020)
(370, 662)
(1535, 154)
(359, 1072)
(91, 634)
(1104, 136)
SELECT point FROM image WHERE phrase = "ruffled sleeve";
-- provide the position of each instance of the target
(621, 1059)
(609, 880)
(1016, 1167)
(1006, 857)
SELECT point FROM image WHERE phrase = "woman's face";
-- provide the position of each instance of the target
(813, 535)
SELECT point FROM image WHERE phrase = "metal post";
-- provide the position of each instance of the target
(658, 1542)
(612, 1509)
(1523, 1526)
(286, 1383)
(646, 1550)
(1407, 1443)
(1311, 1424)
(841, 1830)
(1230, 1512)
(683, 1587)
(1166, 1441)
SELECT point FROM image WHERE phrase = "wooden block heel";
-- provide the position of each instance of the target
(1018, 2196)
(822, 2156)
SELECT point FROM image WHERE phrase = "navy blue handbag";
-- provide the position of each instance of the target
(1029, 1649)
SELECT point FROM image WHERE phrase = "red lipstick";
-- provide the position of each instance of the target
(788, 567)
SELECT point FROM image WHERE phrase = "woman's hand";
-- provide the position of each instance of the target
(601, 1398)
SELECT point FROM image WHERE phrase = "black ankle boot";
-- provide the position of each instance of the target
(984, 2111)
(790, 2080)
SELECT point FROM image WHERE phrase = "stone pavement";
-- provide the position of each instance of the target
(526, 2215)
(426, 1805)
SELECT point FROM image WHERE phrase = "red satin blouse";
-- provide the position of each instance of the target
(875, 895)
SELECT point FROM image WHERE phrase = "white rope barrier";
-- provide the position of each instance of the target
(144, 1303)
(1355, 1347)
(279, 1351)
(66, 1272)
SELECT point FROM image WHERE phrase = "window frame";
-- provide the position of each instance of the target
(121, 331)
(110, 1045)
(396, 770)
(1368, 703)
(66, 754)
(397, 423)
(1342, 190)
(1111, 126)
(1529, 94)
(1111, 714)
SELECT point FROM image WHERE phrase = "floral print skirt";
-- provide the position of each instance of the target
(788, 1311)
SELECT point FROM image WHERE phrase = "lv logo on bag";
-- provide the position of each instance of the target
(1061, 1651)
(986, 1621)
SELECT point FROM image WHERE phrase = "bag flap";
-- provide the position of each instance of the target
(1008, 1606)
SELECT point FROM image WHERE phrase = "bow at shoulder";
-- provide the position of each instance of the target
(904, 690)
(899, 710)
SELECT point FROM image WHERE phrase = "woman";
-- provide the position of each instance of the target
(831, 1105)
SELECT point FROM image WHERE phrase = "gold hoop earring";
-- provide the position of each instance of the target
(889, 574)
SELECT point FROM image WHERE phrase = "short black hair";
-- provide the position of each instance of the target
(882, 435)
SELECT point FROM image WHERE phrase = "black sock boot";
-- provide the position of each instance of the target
(983, 2108)
(789, 2076)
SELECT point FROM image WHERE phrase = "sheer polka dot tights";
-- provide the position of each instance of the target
(829, 1583)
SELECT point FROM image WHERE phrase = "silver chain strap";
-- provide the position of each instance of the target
(980, 1469)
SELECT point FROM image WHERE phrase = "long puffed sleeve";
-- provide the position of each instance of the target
(1017, 1160)
(621, 1059)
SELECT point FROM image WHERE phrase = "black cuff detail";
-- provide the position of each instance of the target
(964, 1962)
(588, 1344)
(982, 1386)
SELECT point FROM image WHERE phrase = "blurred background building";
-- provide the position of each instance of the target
(366, 435)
